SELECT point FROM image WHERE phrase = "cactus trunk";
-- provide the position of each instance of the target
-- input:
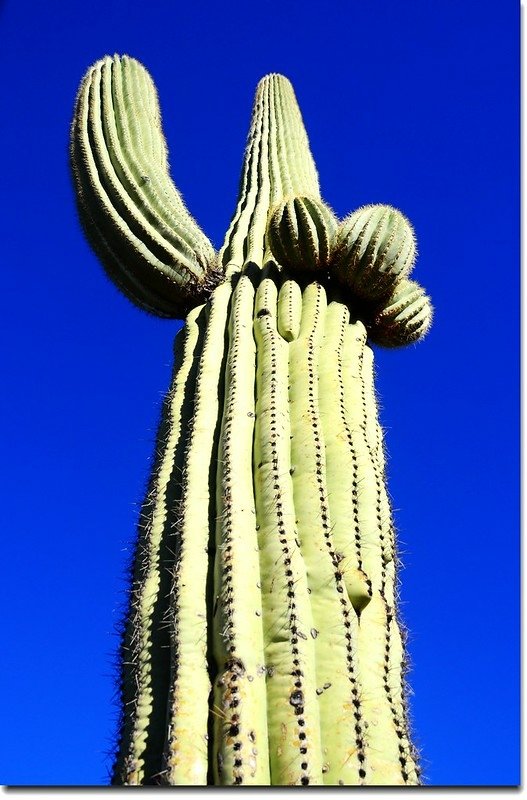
(283, 661)
(262, 644)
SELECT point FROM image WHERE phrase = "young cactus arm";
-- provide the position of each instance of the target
(145, 654)
(132, 214)
(241, 753)
(375, 249)
(277, 163)
(300, 233)
(404, 318)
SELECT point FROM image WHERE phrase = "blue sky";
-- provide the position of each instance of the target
(411, 103)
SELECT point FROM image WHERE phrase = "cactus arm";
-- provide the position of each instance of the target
(162, 261)
(404, 318)
(289, 310)
(136, 121)
(301, 233)
(240, 707)
(294, 733)
(375, 249)
(112, 194)
(144, 679)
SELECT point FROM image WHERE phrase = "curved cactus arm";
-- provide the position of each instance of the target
(294, 728)
(132, 213)
(145, 654)
(240, 706)
(277, 163)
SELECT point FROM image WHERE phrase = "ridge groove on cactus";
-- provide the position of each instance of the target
(262, 644)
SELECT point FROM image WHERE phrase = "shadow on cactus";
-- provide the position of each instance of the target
(262, 643)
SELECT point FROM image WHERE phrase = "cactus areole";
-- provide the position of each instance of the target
(262, 643)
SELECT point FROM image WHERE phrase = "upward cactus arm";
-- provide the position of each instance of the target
(132, 213)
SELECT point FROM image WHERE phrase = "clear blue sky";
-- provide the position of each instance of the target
(410, 103)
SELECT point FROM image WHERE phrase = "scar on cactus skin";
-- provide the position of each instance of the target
(262, 643)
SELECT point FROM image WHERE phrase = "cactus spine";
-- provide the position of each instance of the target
(262, 644)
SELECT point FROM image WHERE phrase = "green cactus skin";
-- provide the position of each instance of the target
(375, 249)
(262, 644)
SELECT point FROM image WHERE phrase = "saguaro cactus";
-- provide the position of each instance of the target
(262, 643)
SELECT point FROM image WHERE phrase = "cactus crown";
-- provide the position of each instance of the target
(135, 219)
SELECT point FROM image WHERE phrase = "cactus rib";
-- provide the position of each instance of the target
(342, 458)
(145, 655)
(289, 309)
(377, 642)
(187, 753)
(240, 708)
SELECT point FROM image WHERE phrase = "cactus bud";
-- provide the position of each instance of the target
(300, 233)
(375, 249)
(404, 319)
